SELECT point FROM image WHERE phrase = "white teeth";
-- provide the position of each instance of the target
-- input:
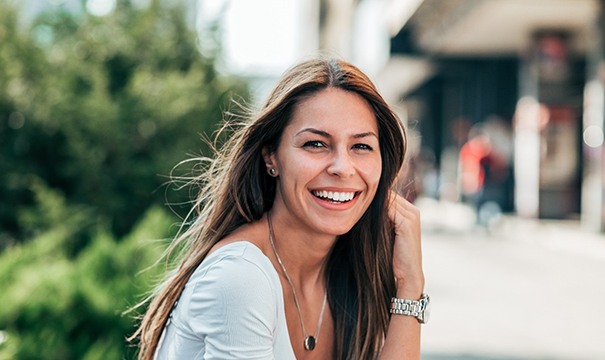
(334, 195)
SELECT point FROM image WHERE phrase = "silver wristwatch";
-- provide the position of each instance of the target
(420, 309)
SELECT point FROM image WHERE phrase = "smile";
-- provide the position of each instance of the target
(335, 196)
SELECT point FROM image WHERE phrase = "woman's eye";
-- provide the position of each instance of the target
(363, 147)
(316, 144)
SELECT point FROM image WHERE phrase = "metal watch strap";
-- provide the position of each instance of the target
(415, 308)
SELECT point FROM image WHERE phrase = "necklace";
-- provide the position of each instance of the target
(310, 340)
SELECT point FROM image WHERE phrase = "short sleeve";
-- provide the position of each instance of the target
(233, 308)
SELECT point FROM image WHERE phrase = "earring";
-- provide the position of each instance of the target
(272, 172)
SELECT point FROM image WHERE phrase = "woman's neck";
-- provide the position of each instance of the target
(303, 254)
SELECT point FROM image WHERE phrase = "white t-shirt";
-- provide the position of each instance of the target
(231, 308)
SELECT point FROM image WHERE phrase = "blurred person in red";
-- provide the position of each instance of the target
(483, 171)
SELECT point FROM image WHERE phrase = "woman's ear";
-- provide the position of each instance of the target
(270, 161)
(268, 156)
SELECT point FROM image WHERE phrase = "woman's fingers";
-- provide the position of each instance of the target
(407, 251)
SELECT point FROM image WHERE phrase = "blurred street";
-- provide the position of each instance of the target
(526, 289)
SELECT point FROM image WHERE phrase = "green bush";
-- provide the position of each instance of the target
(94, 114)
(57, 306)
(102, 109)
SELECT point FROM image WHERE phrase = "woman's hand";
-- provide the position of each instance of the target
(407, 252)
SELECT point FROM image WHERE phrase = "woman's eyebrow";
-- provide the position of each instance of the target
(327, 135)
(365, 134)
(314, 131)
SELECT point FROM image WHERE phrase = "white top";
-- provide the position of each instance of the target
(231, 308)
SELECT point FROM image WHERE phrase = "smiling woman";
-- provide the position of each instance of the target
(329, 149)
(299, 247)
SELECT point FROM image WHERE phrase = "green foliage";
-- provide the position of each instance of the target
(57, 306)
(94, 114)
(102, 109)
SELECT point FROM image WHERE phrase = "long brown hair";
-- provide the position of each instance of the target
(235, 189)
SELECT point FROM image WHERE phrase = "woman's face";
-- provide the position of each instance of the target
(328, 162)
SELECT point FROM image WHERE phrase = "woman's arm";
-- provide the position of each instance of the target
(403, 334)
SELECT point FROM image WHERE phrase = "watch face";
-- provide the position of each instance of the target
(426, 313)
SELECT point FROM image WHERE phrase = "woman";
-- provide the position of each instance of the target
(299, 243)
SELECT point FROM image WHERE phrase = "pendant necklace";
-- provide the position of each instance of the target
(310, 340)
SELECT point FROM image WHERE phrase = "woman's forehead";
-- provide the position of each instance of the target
(334, 110)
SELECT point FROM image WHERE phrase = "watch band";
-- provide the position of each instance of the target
(415, 308)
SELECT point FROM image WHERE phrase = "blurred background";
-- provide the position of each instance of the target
(504, 102)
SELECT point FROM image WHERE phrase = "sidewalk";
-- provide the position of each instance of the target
(525, 289)
(457, 219)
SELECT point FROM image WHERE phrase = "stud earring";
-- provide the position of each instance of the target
(272, 172)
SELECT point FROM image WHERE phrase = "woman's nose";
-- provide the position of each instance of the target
(342, 165)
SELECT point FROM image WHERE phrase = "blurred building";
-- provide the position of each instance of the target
(526, 73)
(517, 64)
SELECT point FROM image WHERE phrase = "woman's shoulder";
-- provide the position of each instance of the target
(238, 259)
(251, 234)
(236, 267)
(236, 271)
(236, 287)
(238, 248)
